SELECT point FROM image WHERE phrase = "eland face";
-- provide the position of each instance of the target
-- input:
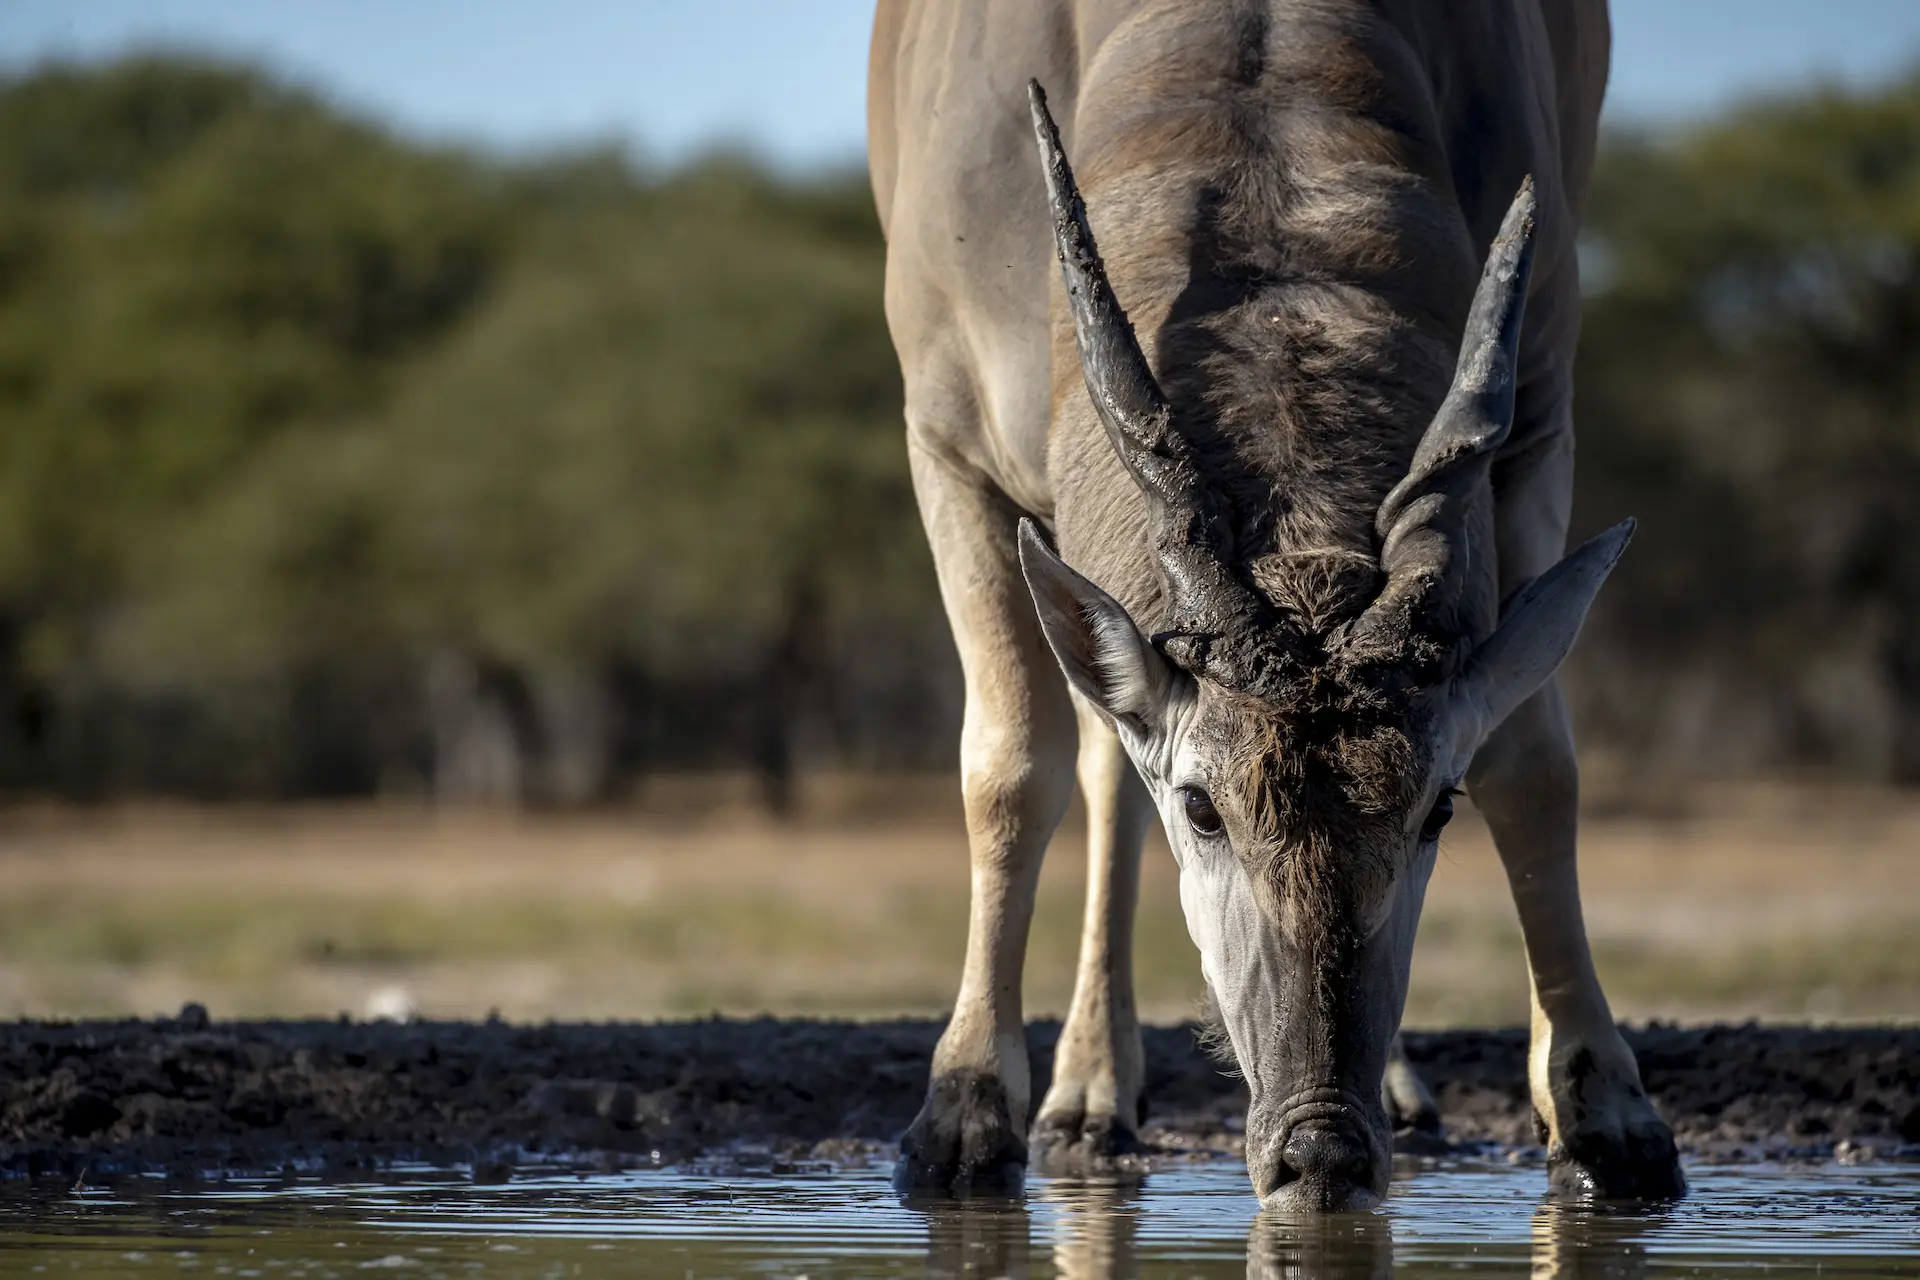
(1299, 549)
(1304, 760)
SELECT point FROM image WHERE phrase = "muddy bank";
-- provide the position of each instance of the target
(186, 1097)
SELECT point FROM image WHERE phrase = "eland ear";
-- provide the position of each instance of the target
(1539, 629)
(1103, 654)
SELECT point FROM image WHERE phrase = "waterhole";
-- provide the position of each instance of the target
(1199, 1221)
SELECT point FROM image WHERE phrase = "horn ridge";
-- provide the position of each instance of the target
(1477, 414)
(1421, 524)
(1214, 618)
(1122, 386)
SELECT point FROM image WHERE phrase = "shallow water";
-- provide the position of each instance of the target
(1459, 1219)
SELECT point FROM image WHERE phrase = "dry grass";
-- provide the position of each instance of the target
(1754, 902)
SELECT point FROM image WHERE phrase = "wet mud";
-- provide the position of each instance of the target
(193, 1099)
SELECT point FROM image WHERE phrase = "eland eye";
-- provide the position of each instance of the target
(1201, 815)
(1438, 816)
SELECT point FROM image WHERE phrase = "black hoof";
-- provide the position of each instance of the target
(1078, 1144)
(1635, 1168)
(963, 1144)
(1410, 1106)
(1423, 1118)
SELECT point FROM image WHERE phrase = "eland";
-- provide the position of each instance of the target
(1237, 339)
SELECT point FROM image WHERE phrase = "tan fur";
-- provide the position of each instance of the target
(1293, 198)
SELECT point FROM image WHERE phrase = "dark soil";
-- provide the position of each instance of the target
(95, 1099)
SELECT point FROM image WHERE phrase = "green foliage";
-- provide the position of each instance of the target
(674, 417)
(195, 263)
(295, 415)
(288, 400)
(1751, 379)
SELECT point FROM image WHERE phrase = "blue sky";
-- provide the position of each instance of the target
(786, 77)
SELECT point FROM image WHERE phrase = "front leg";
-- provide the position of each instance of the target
(1604, 1139)
(1408, 1102)
(1016, 754)
(1092, 1110)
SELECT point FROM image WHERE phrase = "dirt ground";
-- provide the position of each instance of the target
(100, 1099)
(1774, 902)
(1793, 904)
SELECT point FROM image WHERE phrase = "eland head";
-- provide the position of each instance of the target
(1305, 766)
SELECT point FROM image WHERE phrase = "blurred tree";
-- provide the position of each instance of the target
(330, 462)
(192, 261)
(666, 452)
(1751, 368)
(330, 459)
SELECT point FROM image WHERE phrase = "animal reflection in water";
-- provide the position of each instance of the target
(1098, 1224)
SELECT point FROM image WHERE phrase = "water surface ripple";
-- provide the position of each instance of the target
(1199, 1221)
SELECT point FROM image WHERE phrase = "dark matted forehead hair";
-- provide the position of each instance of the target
(1323, 784)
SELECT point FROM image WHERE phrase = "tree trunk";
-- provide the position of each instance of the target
(484, 728)
(1900, 661)
(784, 693)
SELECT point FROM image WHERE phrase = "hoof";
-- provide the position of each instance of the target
(1409, 1103)
(964, 1143)
(1639, 1166)
(1075, 1143)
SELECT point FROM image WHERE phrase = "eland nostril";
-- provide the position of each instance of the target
(1326, 1156)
